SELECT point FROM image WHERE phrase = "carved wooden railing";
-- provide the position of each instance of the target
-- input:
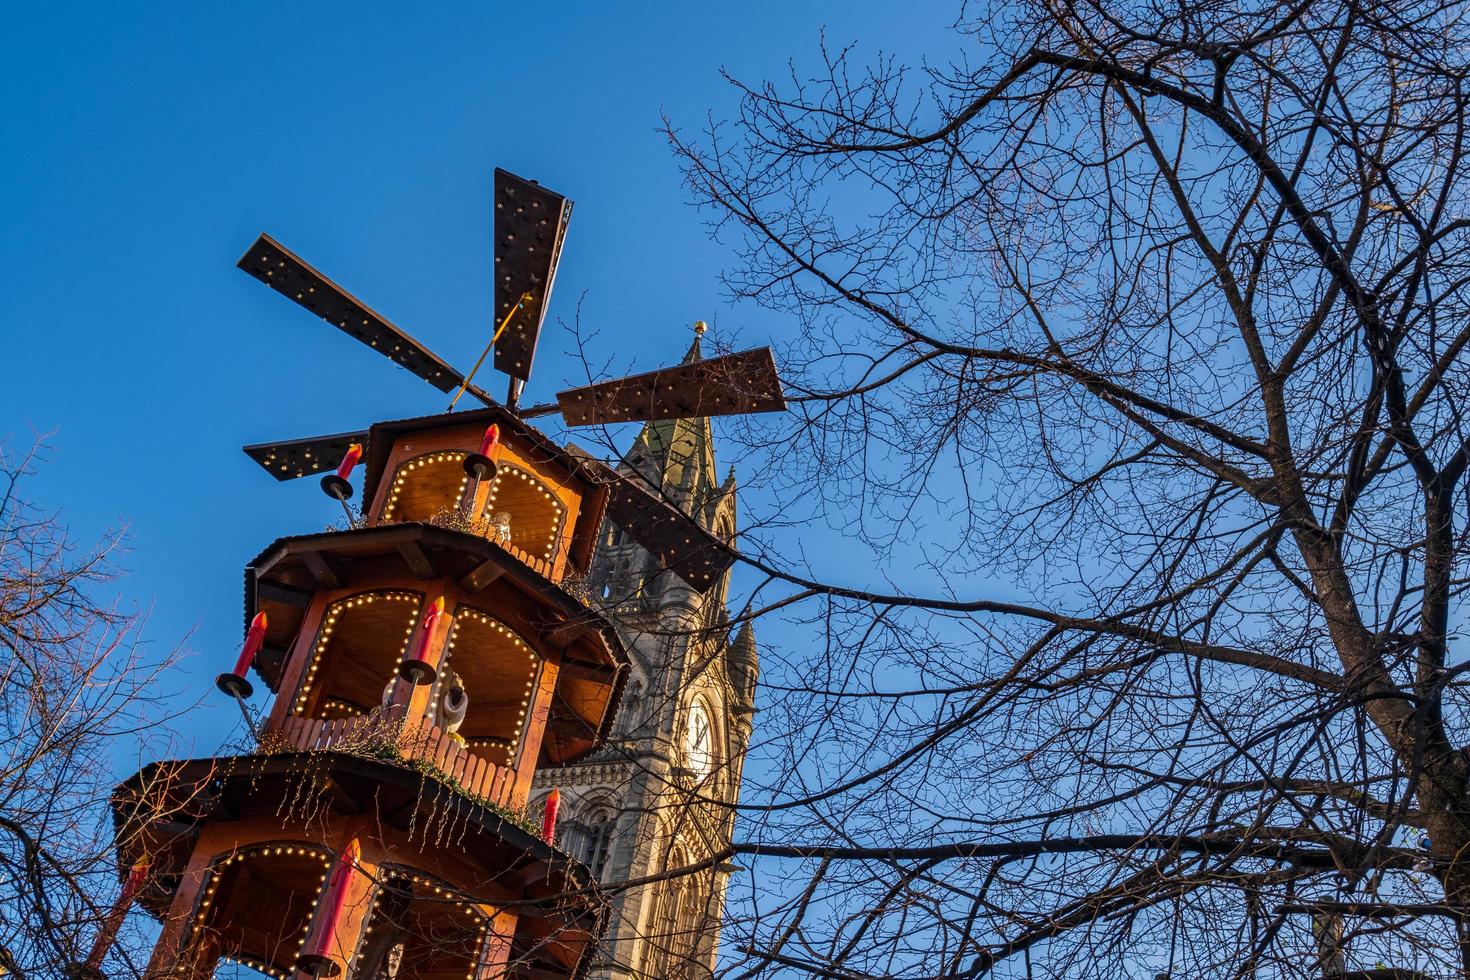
(540, 565)
(368, 735)
(458, 520)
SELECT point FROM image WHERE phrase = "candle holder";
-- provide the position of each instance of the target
(315, 961)
(480, 467)
(548, 816)
(234, 685)
(234, 682)
(336, 487)
(416, 672)
(318, 965)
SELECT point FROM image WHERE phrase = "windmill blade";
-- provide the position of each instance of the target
(736, 384)
(530, 226)
(303, 457)
(275, 265)
(670, 535)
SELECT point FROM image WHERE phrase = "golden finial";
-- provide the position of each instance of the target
(700, 327)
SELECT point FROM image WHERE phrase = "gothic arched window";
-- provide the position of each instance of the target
(597, 841)
(676, 925)
(725, 531)
(674, 476)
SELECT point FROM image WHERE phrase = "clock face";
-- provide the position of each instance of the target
(699, 742)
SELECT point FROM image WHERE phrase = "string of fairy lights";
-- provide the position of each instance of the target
(216, 875)
(466, 616)
(559, 510)
(334, 612)
(406, 473)
(338, 708)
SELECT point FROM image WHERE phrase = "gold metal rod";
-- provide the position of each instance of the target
(488, 348)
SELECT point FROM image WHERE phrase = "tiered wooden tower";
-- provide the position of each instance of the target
(425, 660)
(363, 838)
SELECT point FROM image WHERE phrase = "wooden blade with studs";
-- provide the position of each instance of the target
(273, 264)
(670, 535)
(530, 226)
(303, 457)
(735, 384)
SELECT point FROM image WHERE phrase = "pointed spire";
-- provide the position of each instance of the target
(743, 648)
(695, 353)
(744, 665)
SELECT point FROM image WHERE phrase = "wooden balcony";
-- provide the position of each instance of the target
(382, 736)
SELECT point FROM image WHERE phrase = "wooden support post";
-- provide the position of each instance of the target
(493, 962)
(296, 661)
(173, 950)
(538, 713)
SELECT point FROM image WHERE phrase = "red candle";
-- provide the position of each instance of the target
(137, 875)
(335, 900)
(491, 440)
(548, 816)
(253, 639)
(354, 453)
(431, 622)
(426, 635)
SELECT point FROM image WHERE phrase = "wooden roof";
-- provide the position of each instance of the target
(535, 444)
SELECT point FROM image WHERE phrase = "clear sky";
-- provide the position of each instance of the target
(147, 144)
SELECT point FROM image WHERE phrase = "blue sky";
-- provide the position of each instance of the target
(148, 144)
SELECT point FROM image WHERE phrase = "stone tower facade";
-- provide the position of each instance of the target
(653, 800)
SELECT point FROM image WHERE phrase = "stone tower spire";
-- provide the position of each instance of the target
(744, 664)
(634, 810)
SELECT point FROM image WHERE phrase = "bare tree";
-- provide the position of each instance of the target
(79, 691)
(1142, 324)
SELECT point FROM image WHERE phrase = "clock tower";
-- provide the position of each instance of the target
(640, 808)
